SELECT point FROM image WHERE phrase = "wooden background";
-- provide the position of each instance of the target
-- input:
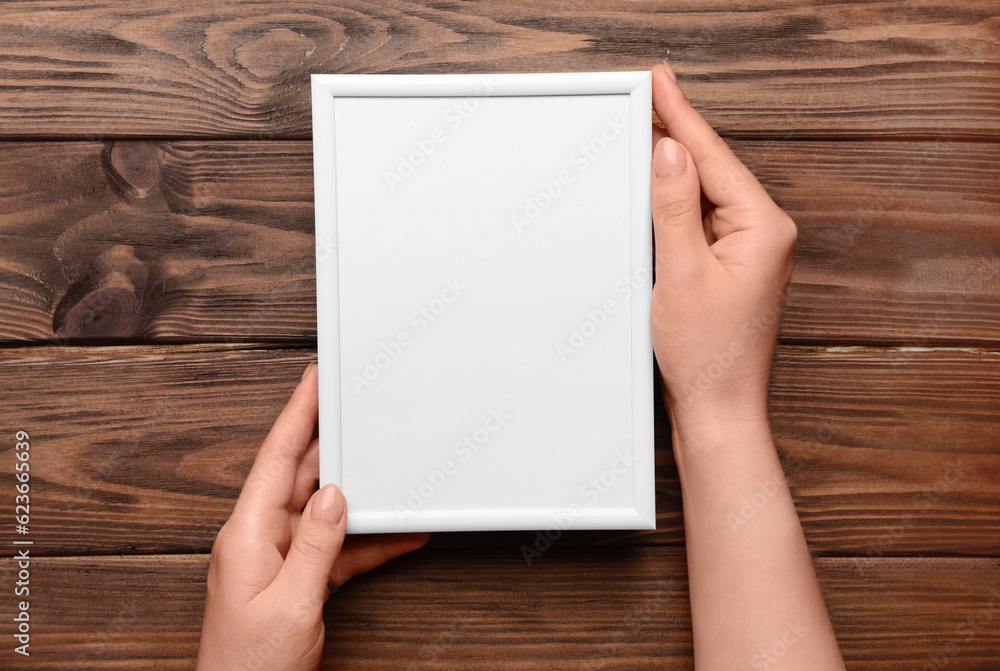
(157, 308)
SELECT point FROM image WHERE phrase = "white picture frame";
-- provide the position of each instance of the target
(483, 280)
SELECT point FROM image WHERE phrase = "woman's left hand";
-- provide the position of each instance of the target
(282, 549)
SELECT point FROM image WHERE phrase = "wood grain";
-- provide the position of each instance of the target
(144, 449)
(786, 69)
(138, 241)
(156, 221)
(602, 608)
(899, 243)
(905, 439)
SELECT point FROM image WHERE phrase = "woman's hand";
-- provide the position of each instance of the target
(723, 260)
(274, 561)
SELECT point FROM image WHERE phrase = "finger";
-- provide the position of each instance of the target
(239, 560)
(724, 178)
(363, 553)
(316, 544)
(658, 134)
(706, 205)
(272, 478)
(306, 478)
(675, 195)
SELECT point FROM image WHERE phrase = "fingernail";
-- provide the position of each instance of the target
(668, 158)
(306, 371)
(671, 73)
(329, 505)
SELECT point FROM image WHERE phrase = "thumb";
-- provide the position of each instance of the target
(316, 544)
(676, 204)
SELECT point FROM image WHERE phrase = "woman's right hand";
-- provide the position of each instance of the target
(723, 260)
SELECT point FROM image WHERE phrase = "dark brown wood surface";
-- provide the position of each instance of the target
(898, 241)
(157, 306)
(149, 68)
(576, 608)
(868, 437)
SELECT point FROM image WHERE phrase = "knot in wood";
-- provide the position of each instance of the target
(138, 163)
(108, 312)
(107, 302)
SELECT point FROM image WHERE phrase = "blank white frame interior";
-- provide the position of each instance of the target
(483, 279)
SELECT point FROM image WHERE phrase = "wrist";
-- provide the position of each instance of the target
(711, 427)
(712, 449)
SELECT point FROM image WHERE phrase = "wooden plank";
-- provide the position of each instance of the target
(887, 452)
(807, 69)
(882, 448)
(212, 241)
(899, 243)
(126, 443)
(594, 608)
(135, 241)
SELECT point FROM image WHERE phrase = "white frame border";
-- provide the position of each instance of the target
(638, 85)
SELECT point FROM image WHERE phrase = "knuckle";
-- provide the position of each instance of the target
(740, 177)
(232, 544)
(671, 206)
(339, 576)
(787, 231)
(310, 547)
(220, 544)
(303, 612)
(736, 182)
